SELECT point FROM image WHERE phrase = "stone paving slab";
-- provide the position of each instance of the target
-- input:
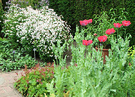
(1, 80)
(7, 80)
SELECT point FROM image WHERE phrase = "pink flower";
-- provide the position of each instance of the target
(102, 38)
(87, 42)
(110, 31)
(117, 25)
(129, 64)
(95, 34)
(52, 72)
(126, 23)
(27, 81)
(76, 65)
(89, 21)
(85, 22)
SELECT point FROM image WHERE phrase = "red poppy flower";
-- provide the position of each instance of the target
(85, 22)
(126, 23)
(110, 31)
(117, 25)
(102, 38)
(89, 21)
(87, 42)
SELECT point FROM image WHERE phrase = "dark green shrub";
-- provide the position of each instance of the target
(1, 18)
(66, 8)
(130, 8)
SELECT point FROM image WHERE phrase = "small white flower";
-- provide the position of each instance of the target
(43, 26)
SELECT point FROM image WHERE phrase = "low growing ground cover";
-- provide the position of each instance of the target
(34, 81)
(14, 59)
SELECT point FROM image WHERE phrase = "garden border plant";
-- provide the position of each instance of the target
(13, 59)
(92, 78)
(34, 81)
(40, 34)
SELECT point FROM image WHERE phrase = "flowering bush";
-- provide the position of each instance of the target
(103, 25)
(33, 82)
(25, 3)
(38, 29)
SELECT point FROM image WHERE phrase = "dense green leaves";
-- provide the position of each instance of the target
(10, 61)
(34, 82)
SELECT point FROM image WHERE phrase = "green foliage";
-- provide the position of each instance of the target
(34, 82)
(1, 18)
(132, 51)
(131, 54)
(65, 8)
(91, 77)
(129, 6)
(87, 76)
(10, 61)
(1, 14)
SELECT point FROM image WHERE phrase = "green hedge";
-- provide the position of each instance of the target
(130, 8)
(1, 18)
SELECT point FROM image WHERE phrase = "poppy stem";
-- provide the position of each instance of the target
(13, 56)
(117, 33)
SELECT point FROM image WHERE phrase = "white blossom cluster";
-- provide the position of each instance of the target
(41, 27)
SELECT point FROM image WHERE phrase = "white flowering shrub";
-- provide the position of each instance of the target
(38, 29)
(25, 3)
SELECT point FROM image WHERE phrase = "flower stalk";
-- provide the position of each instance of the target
(13, 56)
